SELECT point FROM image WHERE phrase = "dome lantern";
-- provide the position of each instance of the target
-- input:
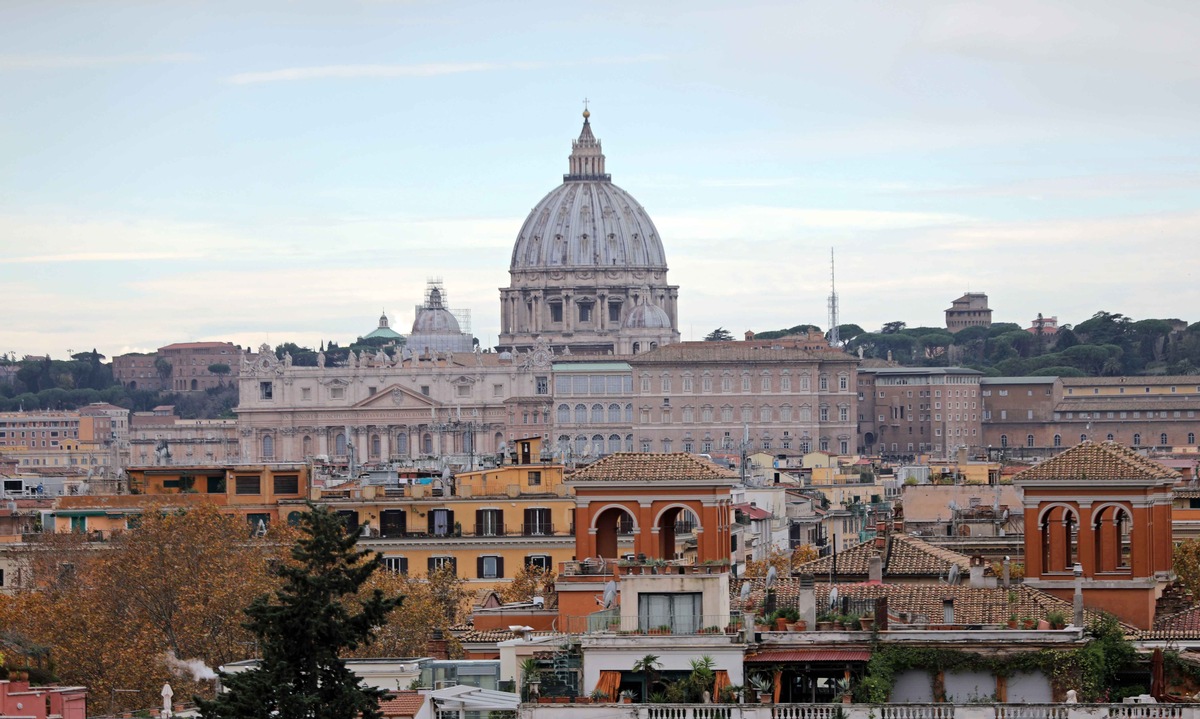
(587, 158)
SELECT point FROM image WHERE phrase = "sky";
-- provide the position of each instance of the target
(283, 171)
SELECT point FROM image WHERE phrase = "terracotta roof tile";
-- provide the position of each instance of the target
(402, 704)
(1091, 461)
(989, 605)
(1180, 625)
(906, 556)
(651, 467)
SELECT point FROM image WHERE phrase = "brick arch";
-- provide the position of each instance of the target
(603, 527)
(664, 524)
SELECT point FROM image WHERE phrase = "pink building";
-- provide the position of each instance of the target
(18, 699)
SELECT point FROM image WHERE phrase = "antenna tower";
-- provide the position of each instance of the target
(834, 340)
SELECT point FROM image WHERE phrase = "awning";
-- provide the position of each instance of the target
(773, 656)
(753, 512)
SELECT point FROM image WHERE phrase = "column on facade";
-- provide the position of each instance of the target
(1085, 545)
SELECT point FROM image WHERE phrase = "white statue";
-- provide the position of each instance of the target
(321, 358)
(167, 696)
(1072, 696)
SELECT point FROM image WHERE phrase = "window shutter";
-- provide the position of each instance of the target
(432, 564)
(454, 565)
(450, 521)
(431, 515)
(499, 567)
(479, 567)
(404, 565)
(480, 514)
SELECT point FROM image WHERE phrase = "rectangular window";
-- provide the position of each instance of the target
(266, 390)
(541, 561)
(441, 522)
(489, 567)
(393, 523)
(215, 485)
(680, 612)
(614, 312)
(537, 522)
(396, 565)
(489, 523)
(462, 390)
(248, 484)
(306, 394)
(497, 390)
(556, 312)
(535, 478)
(542, 385)
(287, 484)
(436, 563)
(425, 390)
(337, 392)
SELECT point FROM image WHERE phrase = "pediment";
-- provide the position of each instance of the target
(395, 395)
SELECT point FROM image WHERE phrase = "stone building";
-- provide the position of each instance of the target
(588, 269)
(1036, 416)
(970, 310)
(703, 397)
(906, 411)
(189, 363)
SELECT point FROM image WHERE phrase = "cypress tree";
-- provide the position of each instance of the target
(303, 631)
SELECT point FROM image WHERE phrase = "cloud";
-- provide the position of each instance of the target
(434, 69)
(65, 62)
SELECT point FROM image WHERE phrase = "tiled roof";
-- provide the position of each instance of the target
(905, 556)
(489, 636)
(988, 605)
(402, 704)
(651, 467)
(1180, 625)
(1091, 461)
(1132, 403)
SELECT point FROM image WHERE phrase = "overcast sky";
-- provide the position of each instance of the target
(275, 171)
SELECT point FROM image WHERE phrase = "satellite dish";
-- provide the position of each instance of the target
(833, 597)
(953, 505)
(745, 593)
(771, 576)
(955, 574)
(261, 531)
(610, 593)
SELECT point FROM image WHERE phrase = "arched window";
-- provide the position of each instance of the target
(497, 440)
(427, 443)
(614, 413)
(268, 446)
(1112, 533)
(564, 414)
(629, 414)
(597, 414)
(1060, 535)
(629, 443)
(1058, 440)
(580, 414)
(1162, 439)
(1083, 438)
(1029, 440)
(597, 445)
(614, 443)
(1110, 436)
(402, 444)
(293, 519)
(376, 445)
(339, 444)
(1004, 440)
(306, 445)
(1137, 439)
(580, 445)
(1191, 437)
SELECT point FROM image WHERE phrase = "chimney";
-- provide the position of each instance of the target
(806, 600)
(1007, 572)
(875, 569)
(880, 535)
(436, 647)
(977, 568)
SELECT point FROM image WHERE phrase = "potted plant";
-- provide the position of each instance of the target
(764, 686)
(1028, 623)
(626, 696)
(730, 694)
(867, 622)
(1057, 619)
(531, 677)
(599, 696)
(1012, 620)
(779, 620)
(850, 621)
(824, 622)
(734, 626)
(661, 629)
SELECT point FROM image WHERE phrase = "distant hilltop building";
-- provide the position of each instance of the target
(385, 332)
(588, 269)
(1043, 326)
(179, 367)
(970, 310)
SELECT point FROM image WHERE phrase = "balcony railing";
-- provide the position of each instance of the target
(491, 529)
(611, 622)
(752, 710)
(537, 530)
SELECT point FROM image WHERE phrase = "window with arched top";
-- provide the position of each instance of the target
(1029, 440)
(597, 445)
(1162, 439)
(1058, 440)
(580, 414)
(376, 446)
(597, 414)
(1191, 438)
(1004, 440)
(268, 447)
(402, 443)
(1137, 439)
(339, 443)
(564, 414)
(1060, 537)
(1112, 536)
(306, 445)
(427, 443)
(580, 445)
(1110, 436)
(614, 443)
(614, 413)
(1083, 438)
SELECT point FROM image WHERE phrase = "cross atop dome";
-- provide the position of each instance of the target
(587, 158)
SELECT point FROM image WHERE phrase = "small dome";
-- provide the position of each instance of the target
(648, 317)
(434, 318)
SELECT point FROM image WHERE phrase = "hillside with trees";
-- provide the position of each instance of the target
(1107, 344)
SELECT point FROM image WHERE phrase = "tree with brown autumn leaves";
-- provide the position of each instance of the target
(109, 614)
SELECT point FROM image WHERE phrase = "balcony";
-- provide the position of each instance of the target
(491, 529)
(537, 530)
(611, 622)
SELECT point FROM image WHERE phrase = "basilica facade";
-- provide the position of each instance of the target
(588, 270)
